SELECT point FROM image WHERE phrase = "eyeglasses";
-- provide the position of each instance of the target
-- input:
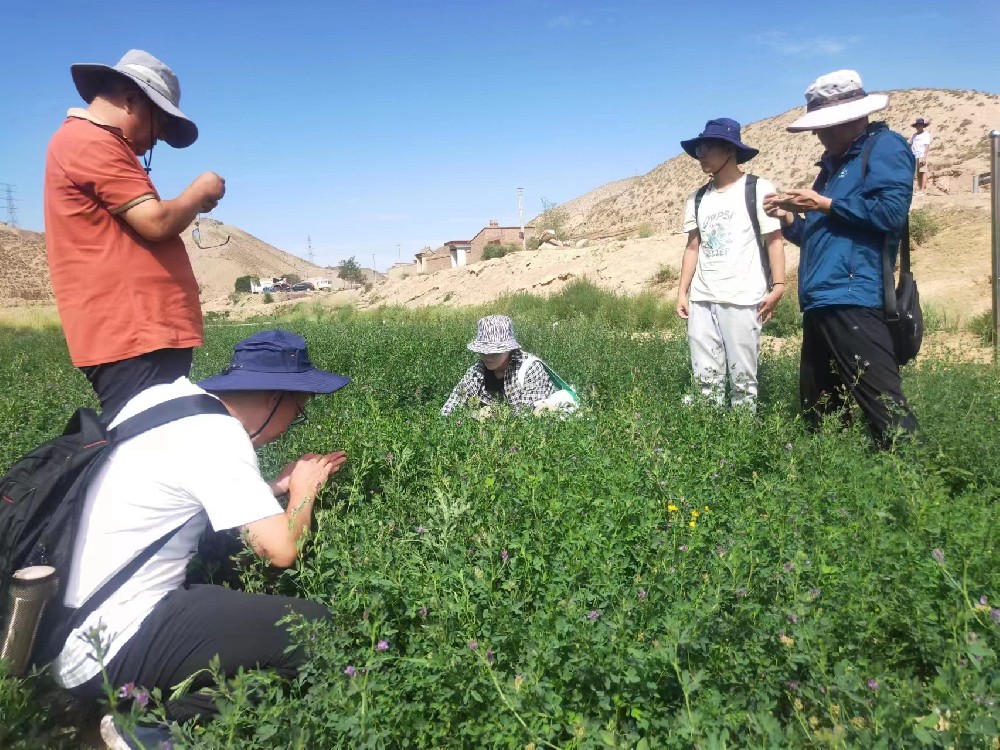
(196, 236)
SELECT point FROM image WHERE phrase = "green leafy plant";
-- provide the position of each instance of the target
(923, 225)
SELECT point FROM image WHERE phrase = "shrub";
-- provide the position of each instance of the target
(243, 284)
(646, 230)
(292, 278)
(553, 217)
(982, 327)
(923, 225)
(664, 275)
(496, 250)
(268, 298)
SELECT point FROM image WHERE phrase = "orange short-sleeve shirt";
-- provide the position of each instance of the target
(119, 295)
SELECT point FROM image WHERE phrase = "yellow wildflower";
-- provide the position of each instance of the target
(798, 705)
(695, 514)
(786, 641)
(672, 508)
(692, 524)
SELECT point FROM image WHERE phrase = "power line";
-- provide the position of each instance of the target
(11, 203)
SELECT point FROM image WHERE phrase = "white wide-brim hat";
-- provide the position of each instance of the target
(156, 80)
(837, 98)
(494, 335)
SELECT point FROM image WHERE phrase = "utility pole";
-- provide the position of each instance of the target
(995, 213)
(309, 246)
(11, 204)
(399, 252)
(373, 264)
(520, 211)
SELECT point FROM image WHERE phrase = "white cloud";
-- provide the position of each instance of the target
(790, 46)
(568, 21)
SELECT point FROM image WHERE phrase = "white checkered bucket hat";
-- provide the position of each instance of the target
(494, 335)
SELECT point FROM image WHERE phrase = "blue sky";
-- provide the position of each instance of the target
(382, 123)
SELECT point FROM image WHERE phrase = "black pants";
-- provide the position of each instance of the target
(116, 382)
(849, 349)
(191, 625)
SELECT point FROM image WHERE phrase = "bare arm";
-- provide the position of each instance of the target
(157, 220)
(775, 243)
(688, 266)
(276, 537)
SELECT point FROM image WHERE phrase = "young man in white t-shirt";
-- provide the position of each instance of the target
(173, 481)
(920, 144)
(731, 277)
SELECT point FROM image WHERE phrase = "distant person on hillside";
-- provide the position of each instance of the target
(123, 282)
(920, 144)
(860, 199)
(733, 271)
(507, 374)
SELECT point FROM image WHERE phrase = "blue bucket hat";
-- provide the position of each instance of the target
(273, 361)
(722, 129)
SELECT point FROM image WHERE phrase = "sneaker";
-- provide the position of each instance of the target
(140, 738)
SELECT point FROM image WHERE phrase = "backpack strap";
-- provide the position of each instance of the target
(750, 194)
(165, 413)
(156, 416)
(697, 201)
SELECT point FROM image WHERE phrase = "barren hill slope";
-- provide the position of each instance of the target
(24, 274)
(960, 121)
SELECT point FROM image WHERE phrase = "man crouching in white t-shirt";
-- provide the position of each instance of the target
(176, 479)
(733, 272)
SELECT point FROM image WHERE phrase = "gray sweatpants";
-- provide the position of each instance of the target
(725, 338)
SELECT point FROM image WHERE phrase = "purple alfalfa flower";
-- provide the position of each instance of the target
(458, 422)
(504, 555)
(873, 685)
(788, 447)
(643, 595)
(473, 645)
(350, 671)
(938, 554)
(423, 611)
(490, 656)
(382, 646)
(513, 449)
(789, 566)
(995, 614)
(421, 530)
(814, 593)
(741, 593)
(683, 548)
(142, 698)
(126, 690)
(793, 685)
(389, 457)
(983, 600)
(794, 619)
(593, 614)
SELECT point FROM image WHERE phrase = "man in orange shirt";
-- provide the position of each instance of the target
(123, 281)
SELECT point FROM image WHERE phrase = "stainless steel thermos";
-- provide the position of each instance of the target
(30, 591)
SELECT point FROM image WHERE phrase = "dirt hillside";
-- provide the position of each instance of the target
(24, 274)
(959, 119)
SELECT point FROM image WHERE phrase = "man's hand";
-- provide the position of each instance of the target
(766, 307)
(207, 190)
(304, 478)
(800, 201)
(683, 305)
(772, 207)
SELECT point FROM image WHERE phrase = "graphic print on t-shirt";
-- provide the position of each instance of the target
(717, 237)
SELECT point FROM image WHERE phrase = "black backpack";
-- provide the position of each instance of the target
(750, 194)
(42, 497)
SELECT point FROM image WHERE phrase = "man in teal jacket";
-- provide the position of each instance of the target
(860, 199)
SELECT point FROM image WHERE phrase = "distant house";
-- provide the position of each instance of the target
(401, 270)
(496, 234)
(429, 261)
(459, 250)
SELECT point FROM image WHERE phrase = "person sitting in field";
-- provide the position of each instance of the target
(505, 373)
(168, 484)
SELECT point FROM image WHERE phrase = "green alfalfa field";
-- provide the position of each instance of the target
(642, 575)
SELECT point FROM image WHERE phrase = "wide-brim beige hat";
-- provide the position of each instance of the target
(156, 80)
(837, 98)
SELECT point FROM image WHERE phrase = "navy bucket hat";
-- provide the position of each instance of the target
(722, 129)
(273, 361)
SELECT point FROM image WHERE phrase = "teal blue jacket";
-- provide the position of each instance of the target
(841, 252)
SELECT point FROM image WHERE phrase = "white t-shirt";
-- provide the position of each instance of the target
(729, 268)
(919, 143)
(193, 471)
